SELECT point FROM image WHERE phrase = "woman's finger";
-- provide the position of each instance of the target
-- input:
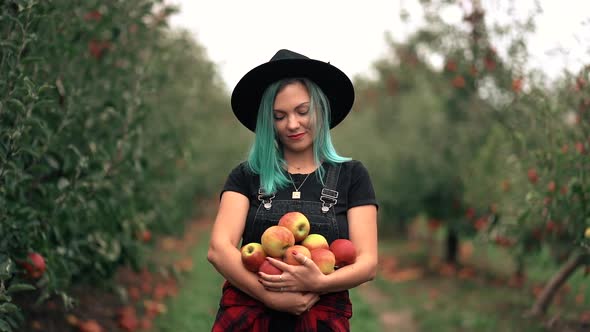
(272, 277)
(301, 258)
(278, 264)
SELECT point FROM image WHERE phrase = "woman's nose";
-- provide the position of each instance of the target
(292, 122)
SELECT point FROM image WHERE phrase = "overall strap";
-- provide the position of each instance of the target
(265, 199)
(329, 196)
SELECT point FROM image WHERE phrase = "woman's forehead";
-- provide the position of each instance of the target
(292, 96)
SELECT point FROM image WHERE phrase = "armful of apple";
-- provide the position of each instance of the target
(290, 259)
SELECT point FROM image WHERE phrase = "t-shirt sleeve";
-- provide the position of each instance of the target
(361, 190)
(237, 181)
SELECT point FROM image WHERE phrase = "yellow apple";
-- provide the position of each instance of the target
(297, 223)
(324, 259)
(276, 239)
(315, 241)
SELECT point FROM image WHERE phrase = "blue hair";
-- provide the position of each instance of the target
(266, 154)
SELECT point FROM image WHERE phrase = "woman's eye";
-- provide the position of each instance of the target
(279, 117)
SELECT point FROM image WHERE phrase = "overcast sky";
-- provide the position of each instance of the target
(240, 35)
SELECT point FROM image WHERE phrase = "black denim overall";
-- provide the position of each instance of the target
(322, 221)
(320, 214)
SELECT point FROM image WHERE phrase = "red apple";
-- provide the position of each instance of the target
(324, 259)
(315, 241)
(94, 15)
(344, 251)
(35, 265)
(290, 258)
(276, 239)
(253, 256)
(297, 223)
(268, 268)
(145, 236)
(532, 175)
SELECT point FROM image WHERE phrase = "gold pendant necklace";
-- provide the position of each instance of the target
(297, 194)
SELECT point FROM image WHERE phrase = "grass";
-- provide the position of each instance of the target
(364, 317)
(195, 306)
(483, 303)
(449, 305)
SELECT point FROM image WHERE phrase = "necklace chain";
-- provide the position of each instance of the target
(293, 182)
(296, 194)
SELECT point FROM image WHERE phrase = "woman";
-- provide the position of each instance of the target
(291, 103)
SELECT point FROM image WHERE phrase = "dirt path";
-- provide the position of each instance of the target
(391, 321)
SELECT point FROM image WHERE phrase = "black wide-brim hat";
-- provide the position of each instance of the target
(337, 87)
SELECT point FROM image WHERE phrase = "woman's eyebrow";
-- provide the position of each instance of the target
(302, 105)
(305, 103)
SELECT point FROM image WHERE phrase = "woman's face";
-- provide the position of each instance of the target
(292, 118)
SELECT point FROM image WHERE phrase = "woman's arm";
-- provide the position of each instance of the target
(225, 256)
(225, 238)
(362, 221)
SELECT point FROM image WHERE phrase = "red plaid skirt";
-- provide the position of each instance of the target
(238, 312)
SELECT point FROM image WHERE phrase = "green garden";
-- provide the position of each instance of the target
(116, 135)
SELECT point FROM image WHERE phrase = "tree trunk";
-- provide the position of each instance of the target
(558, 279)
(452, 246)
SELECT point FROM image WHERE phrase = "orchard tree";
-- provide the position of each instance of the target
(539, 199)
(105, 137)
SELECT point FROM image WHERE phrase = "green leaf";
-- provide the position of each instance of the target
(10, 45)
(17, 103)
(29, 84)
(8, 308)
(523, 216)
(4, 327)
(19, 288)
(44, 296)
(62, 183)
(12, 321)
(52, 162)
(6, 269)
(32, 59)
(30, 151)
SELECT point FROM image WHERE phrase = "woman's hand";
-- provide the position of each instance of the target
(294, 303)
(306, 277)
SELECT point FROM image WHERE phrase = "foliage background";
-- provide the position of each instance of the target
(112, 125)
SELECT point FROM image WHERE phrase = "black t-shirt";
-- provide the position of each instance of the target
(354, 187)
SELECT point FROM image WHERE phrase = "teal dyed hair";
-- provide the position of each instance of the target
(266, 154)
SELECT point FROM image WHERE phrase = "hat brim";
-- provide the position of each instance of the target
(337, 87)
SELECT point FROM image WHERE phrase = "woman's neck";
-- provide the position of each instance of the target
(300, 163)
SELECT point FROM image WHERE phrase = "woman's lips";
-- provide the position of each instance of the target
(298, 136)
